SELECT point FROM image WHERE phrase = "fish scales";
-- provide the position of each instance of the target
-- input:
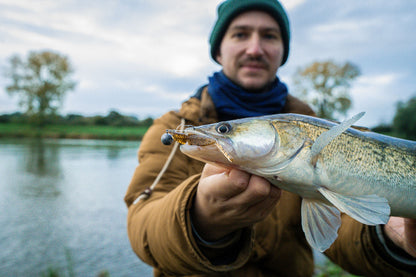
(382, 171)
(333, 167)
(365, 153)
(383, 167)
(367, 156)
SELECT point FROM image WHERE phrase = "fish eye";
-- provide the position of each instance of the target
(223, 128)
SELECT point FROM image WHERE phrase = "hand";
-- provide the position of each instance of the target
(402, 231)
(230, 199)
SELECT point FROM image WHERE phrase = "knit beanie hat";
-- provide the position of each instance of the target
(229, 9)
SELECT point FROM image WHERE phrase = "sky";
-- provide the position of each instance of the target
(145, 57)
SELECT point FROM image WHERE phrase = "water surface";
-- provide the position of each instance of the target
(61, 207)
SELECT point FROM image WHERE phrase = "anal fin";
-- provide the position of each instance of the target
(367, 209)
(320, 223)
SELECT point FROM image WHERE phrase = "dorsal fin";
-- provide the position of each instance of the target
(326, 137)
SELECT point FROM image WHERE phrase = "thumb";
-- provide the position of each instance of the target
(222, 183)
(210, 169)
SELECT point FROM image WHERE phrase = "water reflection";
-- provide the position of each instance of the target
(42, 161)
(113, 153)
(65, 197)
(42, 169)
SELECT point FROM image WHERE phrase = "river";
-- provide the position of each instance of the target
(61, 208)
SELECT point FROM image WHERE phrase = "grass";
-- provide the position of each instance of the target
(329, 269)
(68, 271)
(72, 131)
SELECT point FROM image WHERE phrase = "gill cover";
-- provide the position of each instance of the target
(246, 139)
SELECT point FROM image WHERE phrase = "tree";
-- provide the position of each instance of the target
(404, 121)
(325, 86)
(41, 82)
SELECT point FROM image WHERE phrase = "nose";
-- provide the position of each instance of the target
(254, 46)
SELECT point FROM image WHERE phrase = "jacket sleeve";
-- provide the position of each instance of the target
(159, 227)
(358, 250)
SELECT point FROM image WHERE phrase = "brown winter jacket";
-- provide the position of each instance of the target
(160, 232)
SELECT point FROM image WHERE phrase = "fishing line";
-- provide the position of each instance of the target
(147, 192)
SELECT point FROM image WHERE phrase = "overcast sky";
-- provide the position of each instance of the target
(145, 57)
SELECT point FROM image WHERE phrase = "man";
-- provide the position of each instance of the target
(203, 220)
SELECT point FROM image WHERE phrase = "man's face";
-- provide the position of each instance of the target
(251, 50)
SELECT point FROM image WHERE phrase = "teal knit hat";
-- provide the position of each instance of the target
(229, 9)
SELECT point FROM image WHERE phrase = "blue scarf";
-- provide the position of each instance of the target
(232, 101)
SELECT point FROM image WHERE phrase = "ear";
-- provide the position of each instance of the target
(218, 58)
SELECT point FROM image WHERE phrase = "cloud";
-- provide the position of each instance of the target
(378, 80)
(377, 95)
(147, 57)
(292, 4)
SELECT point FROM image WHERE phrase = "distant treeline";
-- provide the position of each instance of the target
(113, 118)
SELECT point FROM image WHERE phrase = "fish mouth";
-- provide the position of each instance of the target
(191, 137)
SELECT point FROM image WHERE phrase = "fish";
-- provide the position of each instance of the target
(334, 167)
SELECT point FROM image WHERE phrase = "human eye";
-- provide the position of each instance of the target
(271, 35)
(239, 35)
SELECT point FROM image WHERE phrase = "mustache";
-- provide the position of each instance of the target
(259, 60)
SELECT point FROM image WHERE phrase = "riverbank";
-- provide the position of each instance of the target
(21, 130)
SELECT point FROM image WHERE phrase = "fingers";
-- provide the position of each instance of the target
(230, 199)
(402, 231)
(244, 188)
(258, 199)
(210, 169)
(222, 183)
(410, 234)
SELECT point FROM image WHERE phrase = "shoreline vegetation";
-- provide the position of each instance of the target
(102, 132)
(113, 126)
(58, 131)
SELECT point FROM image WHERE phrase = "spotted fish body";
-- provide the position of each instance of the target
(333, 167)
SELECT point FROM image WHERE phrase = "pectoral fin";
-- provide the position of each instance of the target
(326, 137)
(274, 168)
(320, 223)
(367, 209)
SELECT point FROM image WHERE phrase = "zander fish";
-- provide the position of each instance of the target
(333, 167)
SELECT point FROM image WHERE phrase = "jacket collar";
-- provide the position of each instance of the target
(199, 109)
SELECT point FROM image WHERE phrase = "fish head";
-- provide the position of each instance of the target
(236, 142)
